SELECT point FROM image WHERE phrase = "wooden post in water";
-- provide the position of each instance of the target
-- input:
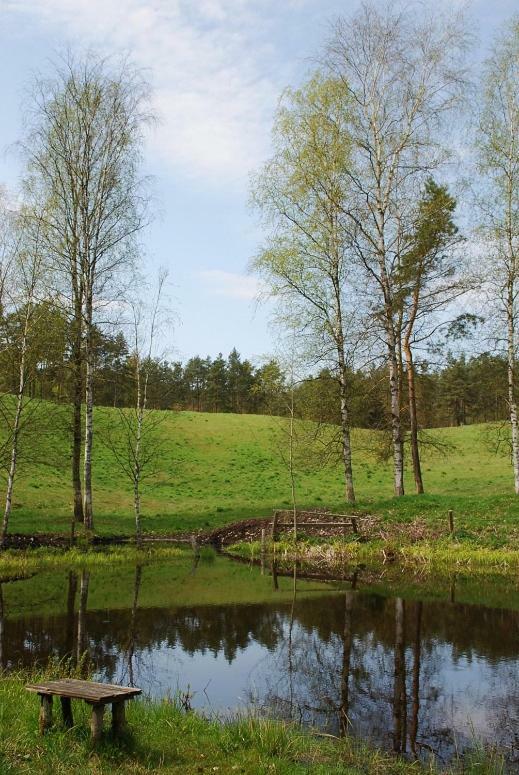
(451, 522)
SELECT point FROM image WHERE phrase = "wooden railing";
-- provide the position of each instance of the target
(285, 519)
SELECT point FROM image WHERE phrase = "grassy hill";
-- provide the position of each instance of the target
(216, 468)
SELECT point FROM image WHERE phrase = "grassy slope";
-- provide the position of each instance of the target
(216, 468)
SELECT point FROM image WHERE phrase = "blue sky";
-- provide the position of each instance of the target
(217, 68)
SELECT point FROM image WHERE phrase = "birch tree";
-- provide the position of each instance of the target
(22, 303)
(83, 152)
(301, 194)
(133, 440)
(498, 155)
(402, 75)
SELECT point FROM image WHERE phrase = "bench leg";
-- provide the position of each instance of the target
(118, 718)
(96, 724)
(66, 710)
(45, 713)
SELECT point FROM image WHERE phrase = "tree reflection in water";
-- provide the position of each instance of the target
(82, 650)
(411, 676)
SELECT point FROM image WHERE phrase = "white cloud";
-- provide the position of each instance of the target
(215, 73)
(230, 284)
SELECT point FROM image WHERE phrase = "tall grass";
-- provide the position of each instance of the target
(14, 562)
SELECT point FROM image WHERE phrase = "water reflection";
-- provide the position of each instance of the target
(412, 676)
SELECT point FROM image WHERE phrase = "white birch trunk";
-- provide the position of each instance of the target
(137, 454)
(345, 429)
(512, 403)
(291, 462)
(16, 430)
(89, 417)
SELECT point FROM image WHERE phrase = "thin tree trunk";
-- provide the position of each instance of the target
(89, 417)
(15, 434)
(136, 465)
(291, 464)
(345, 427)
(394, 352)
(133, 623)
(290, 642)
(512, 403)
(344, 720)
(338, 335)
(81, 648)
(396, 424)
(71, 605)
(413, 732)
(77, 434)
(399, 696)
(77, 391)
(413, 419)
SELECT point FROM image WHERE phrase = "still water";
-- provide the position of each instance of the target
(382, 660)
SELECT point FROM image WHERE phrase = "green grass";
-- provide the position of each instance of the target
(14, 564)
(167, 581)
(165, 738)
(217, 468)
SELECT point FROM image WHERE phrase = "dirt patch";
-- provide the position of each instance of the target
(245, 530)
(248, 530)
(50, 540)
(21, 541)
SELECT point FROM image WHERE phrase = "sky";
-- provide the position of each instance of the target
(217, 69)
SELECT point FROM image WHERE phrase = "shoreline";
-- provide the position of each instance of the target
(164, 735)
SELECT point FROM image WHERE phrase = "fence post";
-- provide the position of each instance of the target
(275, 526)
(451, 522)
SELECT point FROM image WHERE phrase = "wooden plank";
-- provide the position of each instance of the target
(318, 524)
(89, 691)
(284, 512)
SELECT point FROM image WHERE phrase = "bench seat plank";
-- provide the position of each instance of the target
(90, 691)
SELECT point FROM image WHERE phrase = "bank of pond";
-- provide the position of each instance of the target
(377, 669)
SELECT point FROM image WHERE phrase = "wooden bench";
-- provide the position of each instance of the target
(97, 695)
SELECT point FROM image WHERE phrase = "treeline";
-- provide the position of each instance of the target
(207, 384)
(465, 390)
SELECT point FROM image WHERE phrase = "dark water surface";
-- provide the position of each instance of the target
(410, 674)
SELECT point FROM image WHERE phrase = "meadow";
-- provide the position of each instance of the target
(212, 469)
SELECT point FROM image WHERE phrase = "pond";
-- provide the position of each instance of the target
(410, 667)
